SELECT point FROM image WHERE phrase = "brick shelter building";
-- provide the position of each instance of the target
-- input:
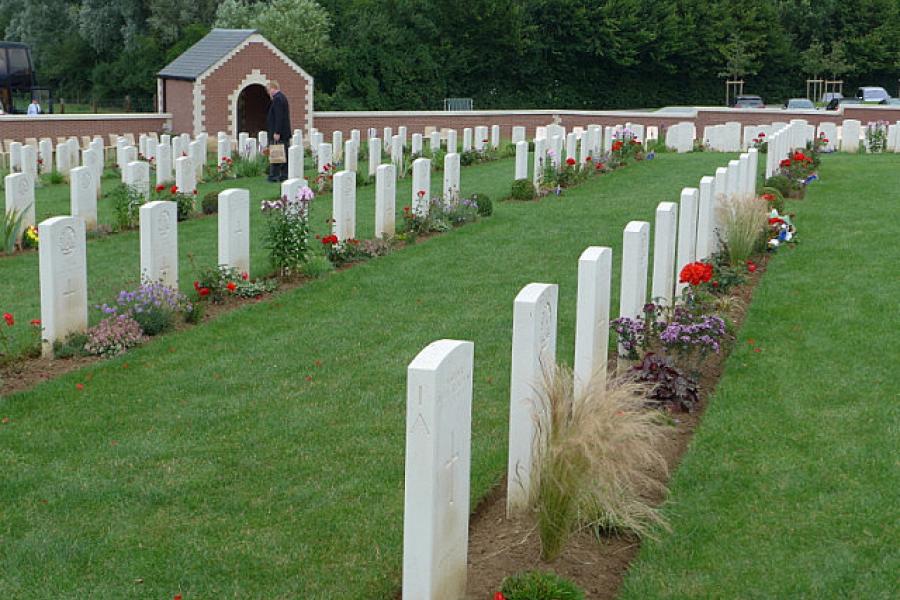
(219, 84)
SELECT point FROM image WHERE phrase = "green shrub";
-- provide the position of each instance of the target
(780, 183)
(485, 206)
(210, 203)
(317, 266)
(522, 189)
(126, 203)
(250, 167)
(185, 206)
(72, 346)
(538, 585)
(54, 177)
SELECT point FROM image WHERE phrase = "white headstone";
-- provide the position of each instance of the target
(850, 135)
(297, 138)
(179, 150)
(421, 187)
(533, 354)
(732, 181)
(385, 201)
(518, 134)
(592, 317)
(351, 156)
(397, 153)
(744, 175)
(159, 242)
(452, 144)
(295, 162)
(687, 231)
(438, 459)
(521, 160)
(223, 149)
(416, 147)
(720, 191)
(434, 143)
(63, 275)
(374, 155)
(571, 146)
(30, 162)
(197, 152)
(137, 177)
(495, 137)
(234, 229)
(635, 250)
(753, 171)
(65, 160)
(831, 134)
(163, 164)
(354, 136)
(401, 131)
(15, 157)
(451, 176)
(664, 253)
(45, 153)
(706, 219)
(324, 158)
(344, 205)
(467, 139)
(481, 138)
(19, 192)
(83, 195)
(540, 161)
(185, 179)
(262, 139)
(386, 139)
(337, 144)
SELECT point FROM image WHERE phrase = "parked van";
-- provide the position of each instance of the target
(872, 94)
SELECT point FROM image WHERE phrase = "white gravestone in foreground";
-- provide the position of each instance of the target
(197, 152)
(687, 231)
(19, 192)
(421, 187)
(521, 160)
(83, 195)
(344, 205)
(159, 242)
(533, 354)
(385, 201)
(664, 253)
(451, 176)
(438, 459)
(706, 219)
(592, 317)
(635, 250)
(63, 274)
(234, 229)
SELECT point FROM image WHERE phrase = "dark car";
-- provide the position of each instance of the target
(748, 102)
(836, 102)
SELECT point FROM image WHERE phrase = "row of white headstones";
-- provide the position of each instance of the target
(439, 379)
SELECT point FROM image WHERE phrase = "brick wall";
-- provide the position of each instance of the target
(179, 98)
(224, 82)
(416, 122)
(20, 127)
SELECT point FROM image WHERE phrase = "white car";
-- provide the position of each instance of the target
(872, 94)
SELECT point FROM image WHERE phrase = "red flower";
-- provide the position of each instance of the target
(204, 292)
(197, 285)
(195, 192)
(799, 156)
(696, 273)
(10, 321)
(79, 386)
(617, 145)
(173, 189)
(355, 242)
(36, 322)
(499, 596)
(825, 140)
(599, 166)
(570, 161)
(160, 187)
(231, 286)
(715, 284)
(761, 134)
(785, 163)
(751, 266)
(330, 240)
(588, 159)
(177, 597)
(768, 197)
(775, 221)
(245, 276)
(420, 193)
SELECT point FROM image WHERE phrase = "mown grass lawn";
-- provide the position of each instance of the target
(791, 487)
(206, 463)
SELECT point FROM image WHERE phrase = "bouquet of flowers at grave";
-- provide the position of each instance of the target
(820, 144)
(625, 146)
(324, 179)
(781, 230)
(761, 143)
(876, 136)
(799, 167)
(224, 170)
(221, 281)
(184, 200)
(30, 239)
(287, 231)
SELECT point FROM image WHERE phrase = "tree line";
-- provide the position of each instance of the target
(411, 54)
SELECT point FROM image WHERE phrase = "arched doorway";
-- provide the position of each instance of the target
(252, 107)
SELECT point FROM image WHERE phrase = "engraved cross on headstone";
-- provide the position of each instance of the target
(451, 463)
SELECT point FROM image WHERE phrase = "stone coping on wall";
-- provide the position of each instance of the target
(86, 117)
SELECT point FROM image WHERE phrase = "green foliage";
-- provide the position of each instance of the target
(522, 189)
(485, 206)
(185, 203)
(773, 197)
(316, 267)
(9, 233)
(780, 184)
(126, 203)
(538, 585)
(210, 203)
(72, 346)
(250, 167)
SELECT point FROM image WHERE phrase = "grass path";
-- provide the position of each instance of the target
(205, 463)
(791, 488)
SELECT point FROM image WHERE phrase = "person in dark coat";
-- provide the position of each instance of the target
(278, 124)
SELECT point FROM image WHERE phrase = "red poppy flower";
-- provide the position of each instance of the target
(715, 284)
(762, 134)
(79, 386)
(499, 596)
(825, 140)
(570, 161)
(245, 276)
(420, 193)
(751, 266)
(160, 187)
(588, 159)
(36, 322)
(775, 221)
(173, 189)
(785, 163)
(696, 273)
(195, 192)
(204, 292)
(768, 197)
(799, 156)
(10, 321)
(197, 285)
(231, 286)
(617, 145)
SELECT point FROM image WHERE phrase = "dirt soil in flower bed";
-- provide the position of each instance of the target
(499, 547)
